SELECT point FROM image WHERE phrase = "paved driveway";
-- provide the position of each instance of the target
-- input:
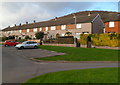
(17, 66)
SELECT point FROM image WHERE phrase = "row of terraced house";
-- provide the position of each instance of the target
(92, 22)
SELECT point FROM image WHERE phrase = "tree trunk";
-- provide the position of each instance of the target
(41, 41)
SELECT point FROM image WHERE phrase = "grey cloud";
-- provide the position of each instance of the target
(20, 12)
(15, 13)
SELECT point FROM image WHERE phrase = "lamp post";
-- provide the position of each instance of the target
(74, 16)
(77, 44)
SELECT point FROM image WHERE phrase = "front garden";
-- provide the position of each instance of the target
(81, 54)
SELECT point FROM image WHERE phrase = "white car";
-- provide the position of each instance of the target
(27, 44)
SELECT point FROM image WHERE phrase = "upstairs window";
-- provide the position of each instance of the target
(40, 29)
(63, 27)
(20, 31)
(62, 34)
(111, 24)
(53, 28)
(11, 31)
(46, 28)
(35, 29)
(78, 25)
(28, 30)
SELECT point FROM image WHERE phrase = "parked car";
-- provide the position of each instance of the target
(10, 43)
(27, 44)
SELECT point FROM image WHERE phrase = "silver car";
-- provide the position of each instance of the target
(27, 44)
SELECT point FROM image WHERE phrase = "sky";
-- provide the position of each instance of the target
(19, 12)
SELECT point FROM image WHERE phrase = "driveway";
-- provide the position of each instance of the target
(17, 66)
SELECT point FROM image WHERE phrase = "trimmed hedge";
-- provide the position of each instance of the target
(111, 40)
(61, 40)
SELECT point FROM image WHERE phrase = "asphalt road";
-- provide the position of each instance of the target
(17, 66)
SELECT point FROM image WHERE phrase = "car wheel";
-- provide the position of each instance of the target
(21, 47)
(35, 47)
(6, 45)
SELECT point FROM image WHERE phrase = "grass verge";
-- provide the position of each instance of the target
(81, 54)
(96, 75)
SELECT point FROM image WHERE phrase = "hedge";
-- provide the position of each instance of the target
(111, 40)
(61, 40)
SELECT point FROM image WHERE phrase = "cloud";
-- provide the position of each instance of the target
(20, 12)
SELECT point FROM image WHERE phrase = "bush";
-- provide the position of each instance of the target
(3, 39)
(111, 40)
(21, 40)
(27, 37)
(61, 40)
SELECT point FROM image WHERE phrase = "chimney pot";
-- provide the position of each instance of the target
(20, 24)
(34, 21)
(89, 14)
(56, 18)
(15, 25)
(26, 22)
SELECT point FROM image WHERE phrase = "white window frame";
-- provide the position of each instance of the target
(112, 24)
(78, 35)
(28, 30)
(20, 31)
(35, 29)
(62, 34)
(40, 29)
(11, 31)
(53, 27)
(46, 28)
(78, 25)
(63, 27)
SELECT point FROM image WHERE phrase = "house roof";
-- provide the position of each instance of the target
(53, 22)
(81, 17)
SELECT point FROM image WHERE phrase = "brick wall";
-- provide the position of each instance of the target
(24, 30)
(116, 27)
(70, 26)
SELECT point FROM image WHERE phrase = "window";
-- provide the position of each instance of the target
(11, 31)
(20, 31)
(35, 29)
(78, 25)
(53, 28)
(28, 30)
(46, 28)
(40, 29)
(111, 24)
(85, 32)
(78, 35)
(63, 27)
(62, 34)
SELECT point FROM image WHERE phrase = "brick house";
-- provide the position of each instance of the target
(81, 22)
(75, 23)
(113, 24)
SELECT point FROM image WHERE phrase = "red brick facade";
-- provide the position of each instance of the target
(115, 29)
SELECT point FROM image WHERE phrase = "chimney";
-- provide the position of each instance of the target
(89, 14)
(8, 26)
(26, 22)
(55, 18)
(15, 25)
(20, 24)
(34, 21)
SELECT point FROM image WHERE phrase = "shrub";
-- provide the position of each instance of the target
(27, 37)
(111, 40)
(21, 40)
(3, 38)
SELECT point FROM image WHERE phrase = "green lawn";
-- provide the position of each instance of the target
(81, 54)
(96, 75)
